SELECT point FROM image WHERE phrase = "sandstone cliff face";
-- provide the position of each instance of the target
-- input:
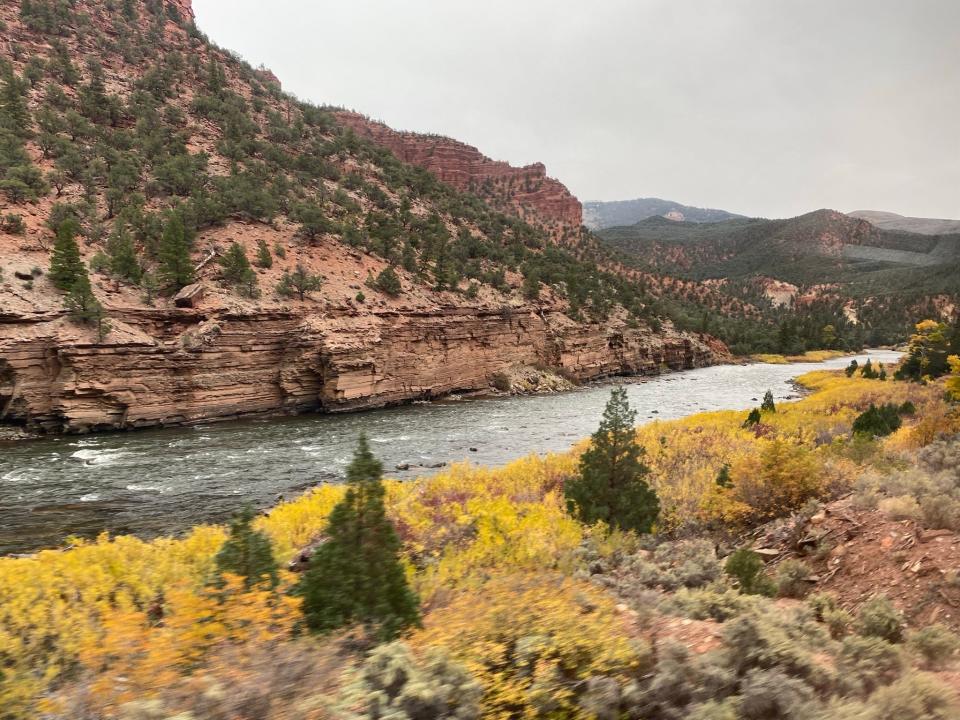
(181, 366)
(525, 191)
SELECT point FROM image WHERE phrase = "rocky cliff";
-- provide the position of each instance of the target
(179, 366)
(165, 141)
(524, 191)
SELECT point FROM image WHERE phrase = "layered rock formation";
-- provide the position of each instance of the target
(181, 366)
(524, 191)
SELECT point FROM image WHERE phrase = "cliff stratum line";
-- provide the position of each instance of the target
(181, 241)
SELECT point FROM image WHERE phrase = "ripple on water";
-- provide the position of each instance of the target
(89, 497)
(20, 475)
(107, 456)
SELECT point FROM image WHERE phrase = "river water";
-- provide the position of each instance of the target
(164, 481)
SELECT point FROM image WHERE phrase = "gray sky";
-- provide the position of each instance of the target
(764, 107)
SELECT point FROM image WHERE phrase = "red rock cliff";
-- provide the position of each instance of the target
(524, 191)
(170, 367)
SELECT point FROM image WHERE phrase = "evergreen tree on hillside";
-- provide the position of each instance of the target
(299, 282)
(247, 553)
(66, 266)
(388, 282)
(84, 308)
(356, 577)
(123, 255)
(610, 485)
(176, 267)
(264, 258)
(236, 269)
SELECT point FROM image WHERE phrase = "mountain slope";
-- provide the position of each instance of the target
(161, 151)
(600, 215)
(880, 278)
(892, 221)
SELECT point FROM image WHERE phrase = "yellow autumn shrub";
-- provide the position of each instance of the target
(953, 382)
(458, 528)
(532, 641)
(136, 653)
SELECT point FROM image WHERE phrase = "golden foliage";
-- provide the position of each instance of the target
(530, 640)
(809, 356)
(63, 611)
(953, 382)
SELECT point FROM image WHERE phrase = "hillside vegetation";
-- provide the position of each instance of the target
(820, 263)
(125, 130)
(526, 610)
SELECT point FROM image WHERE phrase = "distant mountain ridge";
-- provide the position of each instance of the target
(821, 246)
(892, 221)
(601, 215)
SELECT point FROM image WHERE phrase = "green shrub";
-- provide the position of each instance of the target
(713, 602)
(867, 663)
(936, 644)
(388, 282)
(878, 618)
(826, 610)
(914, 697)
(392, 683)
(792, 579)
(767, 694)
(746, 567)
(878, 421)
(768, 405)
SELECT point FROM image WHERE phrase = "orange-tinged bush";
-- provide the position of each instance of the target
(137, 653)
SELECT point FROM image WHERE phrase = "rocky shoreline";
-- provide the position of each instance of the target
(178, 367)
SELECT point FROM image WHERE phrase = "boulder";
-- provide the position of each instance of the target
(190, 296)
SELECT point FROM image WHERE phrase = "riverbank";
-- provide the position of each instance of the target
(156, 482)
(465, 533)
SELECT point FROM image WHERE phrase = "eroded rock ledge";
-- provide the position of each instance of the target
(173, 366)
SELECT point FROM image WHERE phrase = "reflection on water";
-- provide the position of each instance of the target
(160, 481)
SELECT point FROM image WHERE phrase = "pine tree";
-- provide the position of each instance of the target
(388, 282)
(610, 485)
(753, 418)
(123, 255)
(14, 113)
(768, 405)
(356, 577)
(176, 267)
(300, 282)
(65, 263)
(236, 269)
(247, 553)
(84, 308)
(264, 258)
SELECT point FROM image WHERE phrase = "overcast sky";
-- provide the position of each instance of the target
(763, 107)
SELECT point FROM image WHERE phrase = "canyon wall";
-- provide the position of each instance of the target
(524, 191)
(172, 367)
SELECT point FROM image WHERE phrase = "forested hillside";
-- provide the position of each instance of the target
(170, 213)
(871, 281)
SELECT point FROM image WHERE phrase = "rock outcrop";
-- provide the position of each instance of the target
(178, 366)
(525, 191)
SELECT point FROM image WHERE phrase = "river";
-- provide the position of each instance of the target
(163, 481)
